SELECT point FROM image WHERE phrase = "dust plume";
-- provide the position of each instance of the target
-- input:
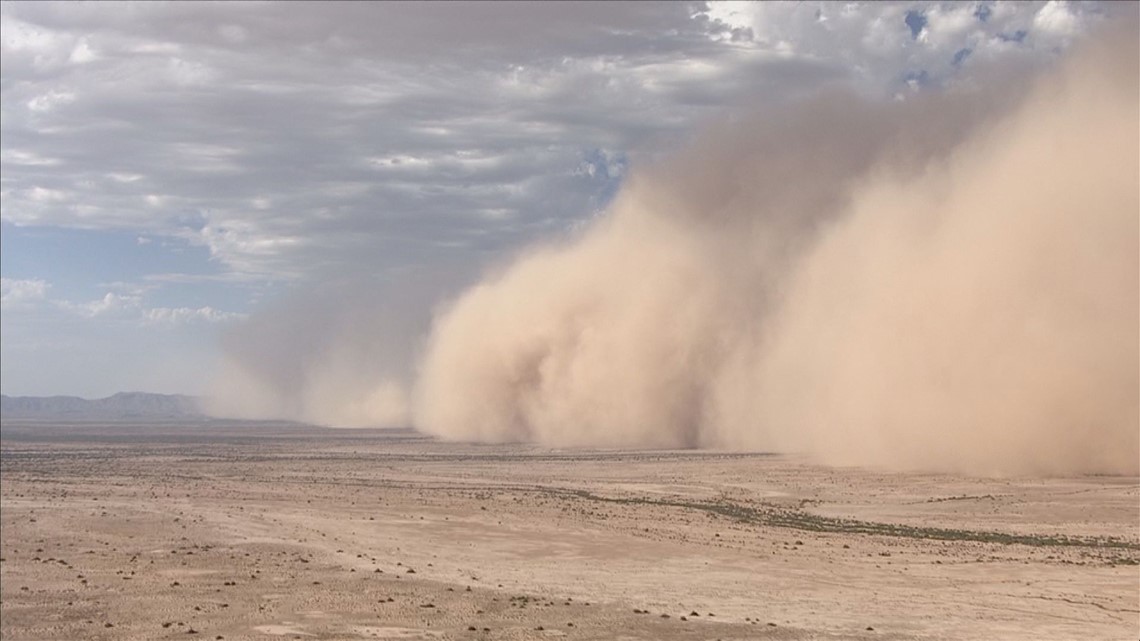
(336, 354)
(948, 283)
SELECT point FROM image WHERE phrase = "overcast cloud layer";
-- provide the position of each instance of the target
(172, 169)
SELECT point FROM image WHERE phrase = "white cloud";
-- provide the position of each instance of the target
(184, 315)
(111, 304)
(1056, 19)
(82, 53)
(246, 246)
(737, 14)
(41, 43)
(125, 178)
(949, 26)
(19, 294)
(42, 194)
(22, 157)
(124, 303)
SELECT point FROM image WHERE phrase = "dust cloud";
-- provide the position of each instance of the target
(336, 354)
(945, 283)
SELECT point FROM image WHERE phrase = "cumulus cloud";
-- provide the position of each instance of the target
(182, 315)
(127, 304)
(110, 304)
(21, 294)
(949, 283)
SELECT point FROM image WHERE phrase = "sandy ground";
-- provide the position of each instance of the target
(282, 532)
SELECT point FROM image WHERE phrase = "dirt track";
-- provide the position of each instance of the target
(274, 531)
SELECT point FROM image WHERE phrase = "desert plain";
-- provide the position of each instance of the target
(216, 530)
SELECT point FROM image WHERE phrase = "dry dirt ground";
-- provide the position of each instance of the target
(242, 531)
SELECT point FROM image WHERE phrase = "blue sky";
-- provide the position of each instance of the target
(172, 171)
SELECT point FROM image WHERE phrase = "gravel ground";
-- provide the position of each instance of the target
(277, 531)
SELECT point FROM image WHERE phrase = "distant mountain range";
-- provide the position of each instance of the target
(121, 406)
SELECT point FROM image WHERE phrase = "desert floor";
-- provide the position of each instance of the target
(242, 531)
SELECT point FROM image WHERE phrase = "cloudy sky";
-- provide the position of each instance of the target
(170, 170)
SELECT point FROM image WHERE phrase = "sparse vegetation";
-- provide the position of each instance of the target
(393, 540)
(772, 516)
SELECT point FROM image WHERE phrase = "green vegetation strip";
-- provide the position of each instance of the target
(799, 520)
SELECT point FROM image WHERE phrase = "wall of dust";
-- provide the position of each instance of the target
(947, 283)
